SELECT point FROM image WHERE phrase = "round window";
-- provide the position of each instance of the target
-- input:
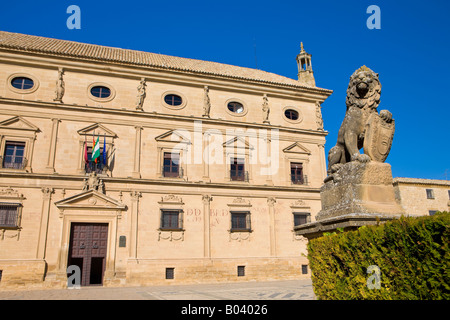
(101, 92)
(291, 114)
(173, 100)
(22, 83)
(235, 107)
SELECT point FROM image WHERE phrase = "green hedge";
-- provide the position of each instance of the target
(412, 254)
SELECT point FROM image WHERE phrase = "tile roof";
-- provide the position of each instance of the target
(43, 45)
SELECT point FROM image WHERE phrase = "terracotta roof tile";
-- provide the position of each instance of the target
(29, 43)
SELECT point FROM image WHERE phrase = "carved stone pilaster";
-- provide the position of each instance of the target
(135, 195)
(47, 192)
(206, 198)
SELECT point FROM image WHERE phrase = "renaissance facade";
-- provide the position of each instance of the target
(141, 168)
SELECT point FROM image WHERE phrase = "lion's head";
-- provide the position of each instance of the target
(364, 89)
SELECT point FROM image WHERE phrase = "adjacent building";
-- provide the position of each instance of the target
(422, 196)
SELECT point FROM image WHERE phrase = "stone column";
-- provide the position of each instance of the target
(43, 226)
(135, 195)
(206, 226)
(272, 234)
(137, 153)
(50, 168)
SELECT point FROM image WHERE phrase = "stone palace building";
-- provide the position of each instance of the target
(141, 168)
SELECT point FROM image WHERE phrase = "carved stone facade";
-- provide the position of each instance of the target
(194, 212)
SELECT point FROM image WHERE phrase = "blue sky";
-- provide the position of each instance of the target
(410, 52)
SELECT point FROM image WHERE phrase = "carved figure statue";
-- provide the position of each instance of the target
(207, 103)
(60, 87)
(141, 95)
(266, 109)
(362, 127)
(319, 119)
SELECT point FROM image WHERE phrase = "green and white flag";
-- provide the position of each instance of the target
(96, 151)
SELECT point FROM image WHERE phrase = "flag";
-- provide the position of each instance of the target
(96, 151)
(104, 150)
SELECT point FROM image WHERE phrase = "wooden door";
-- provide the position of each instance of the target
(88, 245)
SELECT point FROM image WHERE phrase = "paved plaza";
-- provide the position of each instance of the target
(269, 290)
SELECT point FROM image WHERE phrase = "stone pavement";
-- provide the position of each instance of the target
(268, 290)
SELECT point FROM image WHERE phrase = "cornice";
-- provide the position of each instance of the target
(140, 184)
(138, 115)
(422, 182)
(120, 69)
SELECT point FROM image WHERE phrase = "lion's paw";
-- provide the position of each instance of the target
(363, 158)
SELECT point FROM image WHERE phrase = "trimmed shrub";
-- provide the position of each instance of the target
(412, 254)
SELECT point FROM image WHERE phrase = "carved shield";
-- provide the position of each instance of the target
(378, 138)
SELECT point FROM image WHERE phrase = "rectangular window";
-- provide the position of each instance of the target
(297, 173)
(171, 219)
(304, 269)
(432, 212)
(9, 215)
(14, 155)
(171, 165)
(170, 273)
(237, 170)
(300, 218)
(241, 271)
(430, 194)
(240, 221)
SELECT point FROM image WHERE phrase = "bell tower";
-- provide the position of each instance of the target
(305, 72)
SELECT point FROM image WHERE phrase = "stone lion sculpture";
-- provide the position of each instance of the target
(361, 120)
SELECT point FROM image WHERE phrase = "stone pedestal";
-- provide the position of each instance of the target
(359, 194)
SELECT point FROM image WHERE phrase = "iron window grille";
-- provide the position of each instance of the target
(9, 215)
(240, 221)
(171, 220)
(304, 269)
(170, 273)
(300, 218)
(241, 271)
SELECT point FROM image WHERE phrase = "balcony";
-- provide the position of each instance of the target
(239, 175)
(99, 168)
(172, 171)
(299, 180)
(18, 163)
